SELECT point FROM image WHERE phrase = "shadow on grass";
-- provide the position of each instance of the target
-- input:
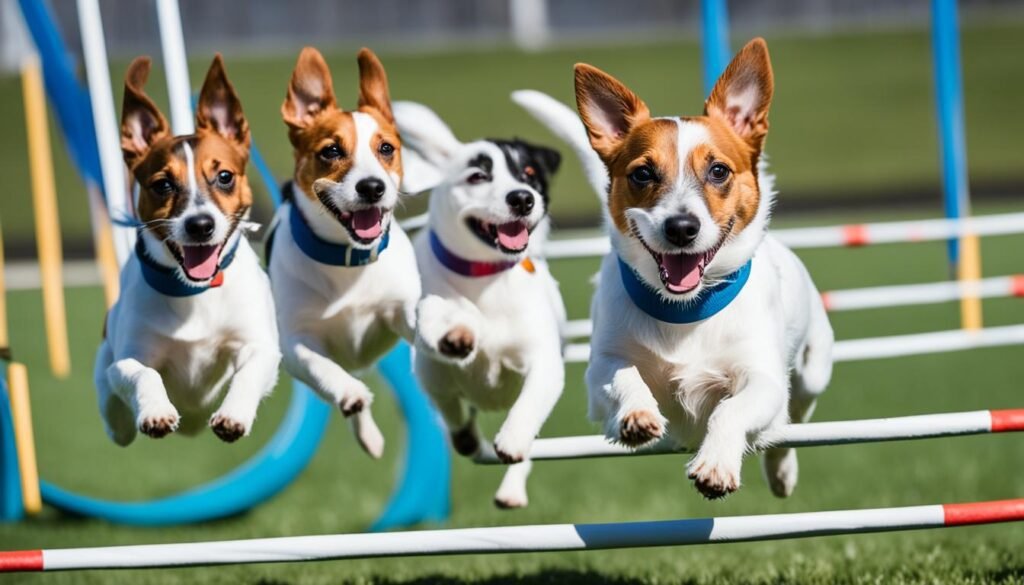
(544, 577)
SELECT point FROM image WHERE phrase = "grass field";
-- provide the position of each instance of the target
(852, 114)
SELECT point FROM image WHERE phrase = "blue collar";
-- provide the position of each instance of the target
(326, 252)
(707, 304)
(460, 265)
(165, 281)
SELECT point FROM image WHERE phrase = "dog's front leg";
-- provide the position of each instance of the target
(542, 386)
(757, 404)
(448, 329)
(621, 399)
(254, 380)
(305, 357)
(142, 389)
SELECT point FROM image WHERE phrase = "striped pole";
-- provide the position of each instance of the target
(815, 434)
(965, 255)
(517, 539)
(849, 236)
(714, 19)
(44, 202)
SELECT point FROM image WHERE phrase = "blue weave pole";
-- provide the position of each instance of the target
(949, 99)
(714, 20)
(11, 506)
(424, 489)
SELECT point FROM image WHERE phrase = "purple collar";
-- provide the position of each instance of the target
(460, 265)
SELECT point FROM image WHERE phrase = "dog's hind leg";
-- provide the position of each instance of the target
(118, 419)
(254, 380)
(511, 493)
(811, 375)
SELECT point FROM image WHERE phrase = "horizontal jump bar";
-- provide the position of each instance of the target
(889, 346)
(902, 428)
(841, 235)
(517, 539)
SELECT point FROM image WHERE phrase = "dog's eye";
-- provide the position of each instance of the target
(225, 179)
(331, 152)
(718, 173)
(386, 149)
(642, 175)
(162, 187)
(478, 177)
(529, 171)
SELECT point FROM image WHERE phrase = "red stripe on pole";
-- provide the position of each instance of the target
(1007, 420)
(1017, 285)
(21, 560)
(855, 235)
(983, 512)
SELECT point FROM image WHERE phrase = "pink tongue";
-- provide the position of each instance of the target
(513, 235)
(200, 262)
(682, 271)
(366, 223)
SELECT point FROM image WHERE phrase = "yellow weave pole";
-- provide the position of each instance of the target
(24, 438)
(44, 199)
(969, 270)
(103, 244)
(21, 411)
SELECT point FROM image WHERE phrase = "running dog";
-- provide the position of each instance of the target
(194, 326)
(489, 325)
(705, 329)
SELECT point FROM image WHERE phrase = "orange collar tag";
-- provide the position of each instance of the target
(218, 279)
(528, 265)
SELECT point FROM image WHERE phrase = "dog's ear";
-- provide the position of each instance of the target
(373, 84)
(219, 109)
(310, 90)
(743, 93)
(424, 132)
(142, 124)
(549, 158)
(608, 108)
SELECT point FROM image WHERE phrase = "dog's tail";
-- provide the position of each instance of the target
(566, 124)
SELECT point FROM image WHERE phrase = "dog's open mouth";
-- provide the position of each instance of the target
(683, 272)
(364, 225)
(511, 237)
(199, 262)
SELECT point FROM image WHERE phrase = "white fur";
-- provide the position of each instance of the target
(514, 317)
(721, 385)
(338, 320)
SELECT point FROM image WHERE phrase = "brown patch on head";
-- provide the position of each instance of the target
(654, 145)
(159, 163)
(731, 196)
(324, 136)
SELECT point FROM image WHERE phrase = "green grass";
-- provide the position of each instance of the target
(852, 113)
(342, 490)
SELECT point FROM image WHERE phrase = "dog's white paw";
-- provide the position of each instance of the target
(228, 428)
(457, 344)
(158, 422)
(512, 491)
(354, 398)
(511, 446)
(781, 470)
(715, 475)
(511, 499)
(639, 427)
(368, 434)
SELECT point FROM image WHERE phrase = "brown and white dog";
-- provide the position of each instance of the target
(344, 274)
(705, 329)
(195, 319)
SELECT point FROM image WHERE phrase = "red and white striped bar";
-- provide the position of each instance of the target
(847, 350)
(517, 539)
(902, 428)
(838, 236)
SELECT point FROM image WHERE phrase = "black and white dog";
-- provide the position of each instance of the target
(490, 319)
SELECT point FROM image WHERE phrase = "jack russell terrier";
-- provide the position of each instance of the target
(705, 328)
(343, 272)
(194, 326)
(489, 324)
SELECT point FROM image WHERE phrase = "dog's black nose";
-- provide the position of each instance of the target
(682, 229)
(200, 227)
(520, 202)
(370, 190)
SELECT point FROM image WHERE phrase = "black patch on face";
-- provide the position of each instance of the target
(521, 155)
(482, 162)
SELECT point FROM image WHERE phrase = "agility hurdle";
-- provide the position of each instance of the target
(517, 539)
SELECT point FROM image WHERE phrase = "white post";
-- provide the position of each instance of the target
(105, 120)
(172, 43)
(529, 19)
